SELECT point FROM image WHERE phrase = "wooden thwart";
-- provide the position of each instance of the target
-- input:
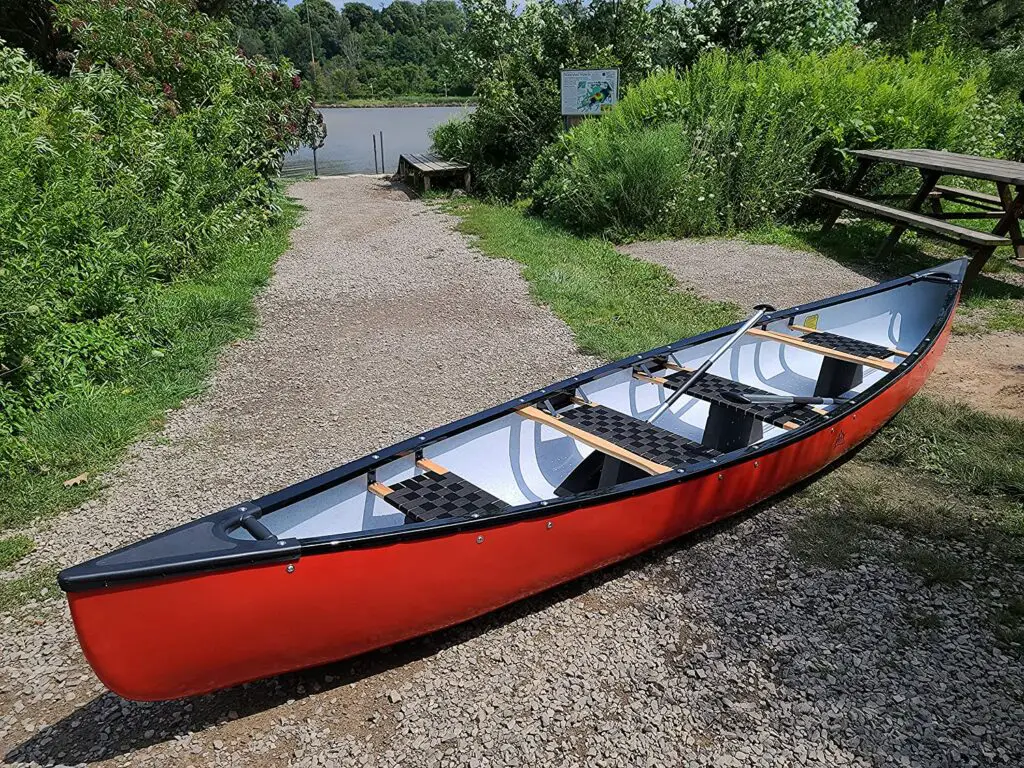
(595, 442)
(806, 329)
(379, 489)
(431, 466)
(662, 382)
(793, 341)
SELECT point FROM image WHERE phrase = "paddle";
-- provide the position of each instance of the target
(762, 310)
(757, 399)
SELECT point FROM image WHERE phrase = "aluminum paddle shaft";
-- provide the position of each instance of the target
(750, 323)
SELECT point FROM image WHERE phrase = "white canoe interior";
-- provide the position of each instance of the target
(585, 441)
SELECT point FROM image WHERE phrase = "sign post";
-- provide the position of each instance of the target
(588, 93)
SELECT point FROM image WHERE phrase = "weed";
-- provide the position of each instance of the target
(934, 566)
(827, 540)
(13, 548)
(40, 584)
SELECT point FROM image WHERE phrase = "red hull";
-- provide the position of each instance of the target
(190, 635)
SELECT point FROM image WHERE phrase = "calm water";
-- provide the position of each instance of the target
(349, 146)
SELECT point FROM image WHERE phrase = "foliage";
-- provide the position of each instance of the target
(515, 57)
(761, 26)
(196, 315)
(139, 167)
(736, 142)
(359, 51)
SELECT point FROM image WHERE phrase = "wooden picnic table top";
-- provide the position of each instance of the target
(431, 163)
(972, 166)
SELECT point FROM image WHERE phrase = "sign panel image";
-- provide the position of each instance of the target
(589, 91)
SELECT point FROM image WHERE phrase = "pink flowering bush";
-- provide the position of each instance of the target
(157, 151)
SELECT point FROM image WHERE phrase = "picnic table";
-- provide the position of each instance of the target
(426, 165)
(1007, 207)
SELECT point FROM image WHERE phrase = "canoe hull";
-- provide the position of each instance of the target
(165, 639)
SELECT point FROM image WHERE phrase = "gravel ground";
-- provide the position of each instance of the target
(723, 649)
(748, 274)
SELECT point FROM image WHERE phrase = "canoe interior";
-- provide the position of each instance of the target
(514, 459)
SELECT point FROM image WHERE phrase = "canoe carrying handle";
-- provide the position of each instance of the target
(256, 528)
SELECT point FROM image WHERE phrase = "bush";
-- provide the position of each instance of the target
(516, 57)
(135, 169)
(737, 142)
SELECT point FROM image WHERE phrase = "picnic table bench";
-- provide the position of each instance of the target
(1007, 206)
(425, 166)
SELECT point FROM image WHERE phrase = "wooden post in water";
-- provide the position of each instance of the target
(382, 167)
(315, 173)
(374, 137)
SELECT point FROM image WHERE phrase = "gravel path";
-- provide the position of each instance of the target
(749, 274)
(723, 649)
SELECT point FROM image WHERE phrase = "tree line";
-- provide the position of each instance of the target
(358, 51)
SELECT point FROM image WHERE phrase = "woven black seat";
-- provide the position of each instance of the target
(848, 345)
(638, 436)
(430, 496)
(716, 389)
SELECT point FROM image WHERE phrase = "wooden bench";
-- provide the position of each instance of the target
(958, 193)
(982, 242)
(426, 166)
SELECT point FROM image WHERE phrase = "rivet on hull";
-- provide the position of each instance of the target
(550, 525)
(290, 569)
(479, 539)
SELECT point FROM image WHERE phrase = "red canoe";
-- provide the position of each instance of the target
(458, 521)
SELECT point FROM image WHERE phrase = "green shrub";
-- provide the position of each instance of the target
(736, 142)
(137, 168)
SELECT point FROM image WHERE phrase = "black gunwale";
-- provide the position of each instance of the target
(94, 575)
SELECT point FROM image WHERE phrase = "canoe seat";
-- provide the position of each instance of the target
(637, 436)
(848, 345)
(716, 390)
(434, 495)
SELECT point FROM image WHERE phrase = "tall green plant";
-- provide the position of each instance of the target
(736, 142)
(138, 167)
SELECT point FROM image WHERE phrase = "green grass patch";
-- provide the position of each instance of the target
(40, 584)
(616, 305)
(933, 566)
(198, 316)
(13, 548)
(991, 303)
(958, 446)
(827, 539)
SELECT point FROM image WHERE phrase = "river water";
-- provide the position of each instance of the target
(349, 144)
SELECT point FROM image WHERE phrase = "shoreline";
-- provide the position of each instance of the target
(368, 104)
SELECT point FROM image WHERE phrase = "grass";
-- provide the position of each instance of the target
(93, 429)
(616, 305)
(39, 584)
(933, 566)
(989, 305)
(958, 446)
(827, 539)
(13, 548)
